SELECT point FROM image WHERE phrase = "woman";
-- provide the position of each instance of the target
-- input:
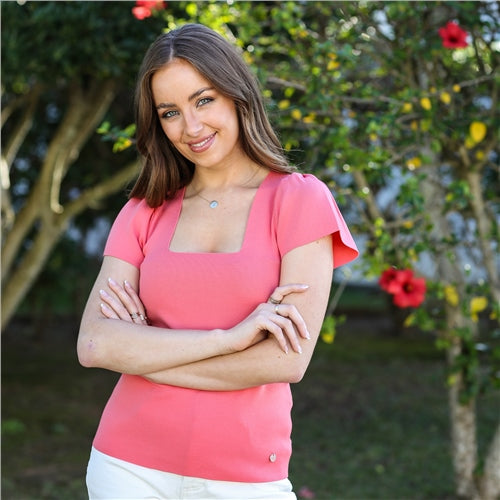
(231, 254)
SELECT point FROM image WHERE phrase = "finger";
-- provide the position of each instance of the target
(114, 304)
(137, 301)
(130, 301)
(122, 295)
(108, 312)
(276, 331)
(282, 291)
(290, 311)
(289, 332)
(263, 319)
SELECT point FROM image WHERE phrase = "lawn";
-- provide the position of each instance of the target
(370, 417)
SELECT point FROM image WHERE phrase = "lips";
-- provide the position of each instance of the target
(203, 145)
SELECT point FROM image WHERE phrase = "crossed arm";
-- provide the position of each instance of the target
(264, 348)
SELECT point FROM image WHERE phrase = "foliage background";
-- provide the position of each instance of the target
(363, 94)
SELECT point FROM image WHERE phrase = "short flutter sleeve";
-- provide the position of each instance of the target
(128, 233)
(306, 211)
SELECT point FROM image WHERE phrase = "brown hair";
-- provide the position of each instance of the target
(165, 170)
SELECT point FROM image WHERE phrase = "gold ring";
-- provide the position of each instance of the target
(274, 301)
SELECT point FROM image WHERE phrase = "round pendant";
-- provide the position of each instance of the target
(214, 204)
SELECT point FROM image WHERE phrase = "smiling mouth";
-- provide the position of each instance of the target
(203, 143)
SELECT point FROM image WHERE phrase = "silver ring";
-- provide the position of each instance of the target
(276, 308)
(134, 315)
(274, 301)
(143, 318)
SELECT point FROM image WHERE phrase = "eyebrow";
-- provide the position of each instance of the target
(164, 105)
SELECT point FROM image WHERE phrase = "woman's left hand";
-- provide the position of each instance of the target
(123, 304)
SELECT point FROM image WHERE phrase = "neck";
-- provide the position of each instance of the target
(219, 181)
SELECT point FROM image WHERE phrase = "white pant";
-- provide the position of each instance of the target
(109, 478)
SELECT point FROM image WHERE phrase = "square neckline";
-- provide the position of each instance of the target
(178, 209)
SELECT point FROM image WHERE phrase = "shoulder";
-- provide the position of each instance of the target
(136, 216)
(298, 197)
(297, 180)
(136, 206)
(298, 186)
(138, 209)
(305, 211)
(131, 230)
(300, 183)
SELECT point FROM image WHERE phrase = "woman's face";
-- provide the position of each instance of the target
(200, 122)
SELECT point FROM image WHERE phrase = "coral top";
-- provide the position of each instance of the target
(234, 435)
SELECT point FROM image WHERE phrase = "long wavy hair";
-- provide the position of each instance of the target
(165, 170)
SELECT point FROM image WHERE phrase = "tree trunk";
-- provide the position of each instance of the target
(489, 482)
(21, 280)
(84, 111)
(463, 442)
(485, 226)
(462, 415)
(462, 418)
(32, 263)
(21, 263)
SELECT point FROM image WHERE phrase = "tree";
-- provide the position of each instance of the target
(64, 64)
(390, 104)
(396, 105)
(49, 173)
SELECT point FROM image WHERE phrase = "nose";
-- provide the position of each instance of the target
(192, 124)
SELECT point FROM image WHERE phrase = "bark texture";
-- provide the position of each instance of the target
(43, 218)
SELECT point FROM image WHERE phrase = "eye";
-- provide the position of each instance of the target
(169, 114)
(204, 100)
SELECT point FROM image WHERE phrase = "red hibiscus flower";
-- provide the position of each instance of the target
(453, 36)
(407, 290)
(145, 8)
(388, 280)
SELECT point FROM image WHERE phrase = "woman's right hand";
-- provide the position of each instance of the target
(281, 320)
(123, 304)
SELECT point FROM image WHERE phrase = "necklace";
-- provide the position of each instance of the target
(211, 204)
(214, 203)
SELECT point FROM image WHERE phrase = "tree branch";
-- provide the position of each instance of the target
(82, 115)
(80, 125)
(22, 127)
(473, 177)
(11, 149)
(371, 204)
(33, 260)
(101, 191)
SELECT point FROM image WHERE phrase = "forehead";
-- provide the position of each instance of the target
(177, 80)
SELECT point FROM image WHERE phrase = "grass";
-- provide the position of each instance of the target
(372, 428)
(50, 409)
(370, 418)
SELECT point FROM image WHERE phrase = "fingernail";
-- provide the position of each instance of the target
(103, 293)
(127, 284)
(299, 350)
(308, 335)
(112, 281)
